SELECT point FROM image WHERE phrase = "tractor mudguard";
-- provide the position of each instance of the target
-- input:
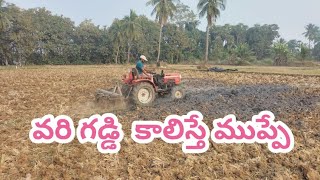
(144, 81)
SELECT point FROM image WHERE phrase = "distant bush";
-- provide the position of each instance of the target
(80, 62)
(303, 64)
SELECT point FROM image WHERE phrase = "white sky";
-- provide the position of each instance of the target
(291, 15)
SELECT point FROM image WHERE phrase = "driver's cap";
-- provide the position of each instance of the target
(143, 57)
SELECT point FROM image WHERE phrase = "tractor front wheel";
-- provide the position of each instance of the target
(178, 92)
(143, 94)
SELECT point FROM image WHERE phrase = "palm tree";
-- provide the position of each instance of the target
(311, 33)
(117, 36)
(131, 30)
(210, 9)
(164, 9)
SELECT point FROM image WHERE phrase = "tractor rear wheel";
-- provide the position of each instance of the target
(178, 92)
(143, 94)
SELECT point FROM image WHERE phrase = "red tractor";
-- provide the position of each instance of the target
(143, 90)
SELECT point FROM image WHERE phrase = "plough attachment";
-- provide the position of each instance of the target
(112, 97)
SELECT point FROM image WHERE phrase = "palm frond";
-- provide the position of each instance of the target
(201, 4)
(211, 9)
(163, 9)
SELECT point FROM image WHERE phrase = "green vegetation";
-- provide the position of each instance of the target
(38, 37)
(163, 10)
(211, 10)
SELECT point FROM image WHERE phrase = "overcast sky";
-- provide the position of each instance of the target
(291, 15)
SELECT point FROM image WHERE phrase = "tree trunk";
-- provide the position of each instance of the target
(116, 61)
(20, 58)
(309, 44)
(207, 45)
(237, 40)
(129, 49)
(159, 48)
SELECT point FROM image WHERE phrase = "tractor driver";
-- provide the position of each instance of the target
(141, 67)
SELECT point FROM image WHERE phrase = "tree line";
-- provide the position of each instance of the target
(36, 36)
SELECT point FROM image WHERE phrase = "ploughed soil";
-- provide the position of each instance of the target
(26, 94)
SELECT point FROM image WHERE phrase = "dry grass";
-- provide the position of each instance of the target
(33, 92)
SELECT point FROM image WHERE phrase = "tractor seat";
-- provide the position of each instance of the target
(135, 74)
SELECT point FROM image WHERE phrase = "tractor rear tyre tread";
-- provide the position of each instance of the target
(135, 94)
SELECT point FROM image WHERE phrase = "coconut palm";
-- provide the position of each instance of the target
(164, 9)
(210, 9)
(311, 33)
(131, 30)
(117, 36)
